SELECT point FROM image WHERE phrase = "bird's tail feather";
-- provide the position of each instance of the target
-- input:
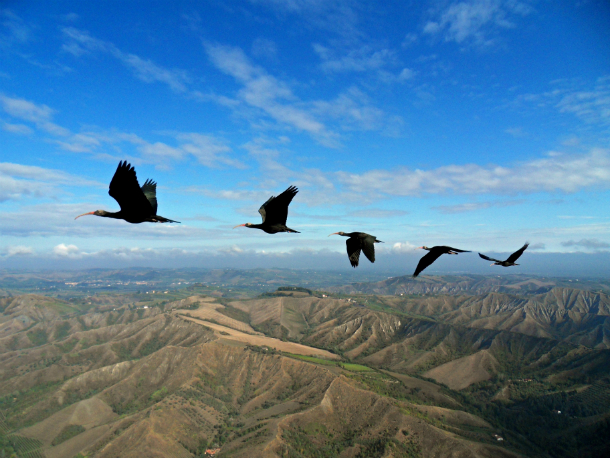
(161, 219)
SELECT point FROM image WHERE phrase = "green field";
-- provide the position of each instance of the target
(352, 367)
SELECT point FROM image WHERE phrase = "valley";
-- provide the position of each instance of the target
(443, 369)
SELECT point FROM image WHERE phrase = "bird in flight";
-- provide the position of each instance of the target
(274, 213)
(138, 204)
(510, 261)
(356, 242)
(433, 254)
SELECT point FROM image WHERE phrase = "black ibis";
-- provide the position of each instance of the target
(138, 204)
(510, 261)
(433, 254)
(356, 242)
(275, 213)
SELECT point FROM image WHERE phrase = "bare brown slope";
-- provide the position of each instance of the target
(462, 372)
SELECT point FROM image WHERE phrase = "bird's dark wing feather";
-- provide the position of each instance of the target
(513, 257)
(150, 191)
(368, 247)
(456, 250)
(275, 210)
(488, 258)
(125, 190)
(353, 251)
(426, 261)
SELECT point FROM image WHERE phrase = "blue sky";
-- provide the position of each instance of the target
(478, 124)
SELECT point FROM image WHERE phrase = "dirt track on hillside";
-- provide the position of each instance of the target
(259, 340)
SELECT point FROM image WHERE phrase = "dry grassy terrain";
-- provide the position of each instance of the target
(296, 375)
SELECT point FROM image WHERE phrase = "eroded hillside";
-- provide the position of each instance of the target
(297, 375)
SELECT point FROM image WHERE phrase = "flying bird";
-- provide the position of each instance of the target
(359, 241)
(274, 213)
(138, 204)
(433, 254)
(510, 261)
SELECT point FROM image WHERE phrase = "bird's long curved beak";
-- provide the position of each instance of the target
(334, 233)
(239, 225)
(90, 213)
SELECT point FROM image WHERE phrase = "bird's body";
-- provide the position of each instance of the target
(510, 261)
(433, 254)
(138, 204)
(275, 213)
(359, 241)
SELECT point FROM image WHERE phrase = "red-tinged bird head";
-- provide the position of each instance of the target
(337, 233)
(243, 225)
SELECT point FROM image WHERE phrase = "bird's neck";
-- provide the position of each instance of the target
(115, 215)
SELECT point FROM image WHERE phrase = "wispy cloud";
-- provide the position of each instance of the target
(475, 20)
(80, 43)
(556, 172)
(592, 106)
(377, 213)
(360, 59)
(20, 129)
(14, 29)
(19, 250)
(589, 244)
(335, 16)
(207, 149)
(588, 101)
(40, 115)
(474, 206)
(265, 92)
(18, 181)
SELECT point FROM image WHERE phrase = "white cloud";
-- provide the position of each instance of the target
(403, 247)
(18, 181)
(406, 74)
(19, 250)
(70, 251)
(40, 115)
(20, 129)
(556, 172)
(474, 206)
(353, 110)
(336, 16)
(144, 69)
(591, 105)
(265, 92)
(475, 20)
(361, 59)
(208, 150)
(589, 244)
(14, 30)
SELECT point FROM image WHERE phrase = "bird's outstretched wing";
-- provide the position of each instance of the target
(513, 257)
(456, 250)
(150, 191)
(426, 261)
(275, 210)
(125, 190)
(353, 251)
(368, 247)
(487, 258)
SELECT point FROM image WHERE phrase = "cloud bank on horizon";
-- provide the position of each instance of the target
(476, 123)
